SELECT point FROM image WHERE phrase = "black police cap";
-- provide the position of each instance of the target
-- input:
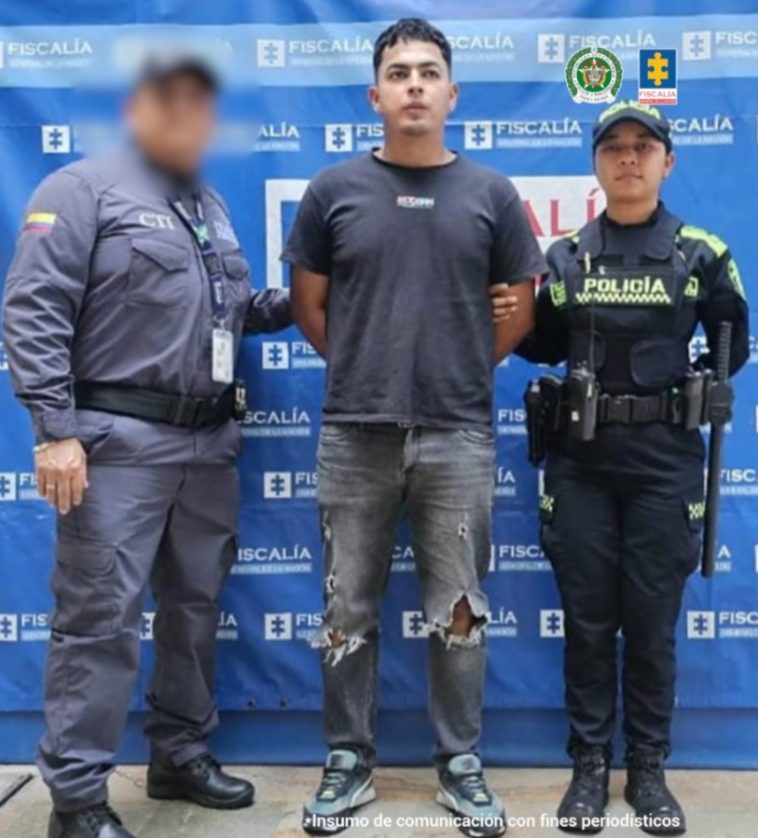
(646, 115)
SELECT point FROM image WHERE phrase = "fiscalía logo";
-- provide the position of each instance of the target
(657, 76)
(56, 139)
(511, 421)
(278, 626)
(295, 558)
(518, 557)
(227, 628)
(44, 55)
(593, 75)
(502, 622)
(724, 625)
(490, 42)
(403, 559)
(505, 482)
(284, 485)
(617, 41)
(414, 625)
(697, 46)
(281, 355)
(346, 137)
(551, 623)
(702, 130)
(701, 625)
(735, 43)
(287, 625)
(525, 133)
(295, 422)
(16, 486)
(271, 52)
(551, 48)
(8, 628)
(739, 481)
(280, 136)
(304, 52)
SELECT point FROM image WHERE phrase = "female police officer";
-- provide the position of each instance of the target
(623, 504)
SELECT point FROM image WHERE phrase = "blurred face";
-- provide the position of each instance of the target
(413, 90)
(631, 164)
(172, 120)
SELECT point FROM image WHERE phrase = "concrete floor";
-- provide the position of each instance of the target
(718, 804)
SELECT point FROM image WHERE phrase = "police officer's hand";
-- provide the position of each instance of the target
(62, 474)
(504, 305)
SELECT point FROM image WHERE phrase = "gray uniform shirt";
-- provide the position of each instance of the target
(107, 285)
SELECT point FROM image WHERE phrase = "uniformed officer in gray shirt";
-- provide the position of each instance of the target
(124, 309)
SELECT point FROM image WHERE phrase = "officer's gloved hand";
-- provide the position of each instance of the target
(61, 469)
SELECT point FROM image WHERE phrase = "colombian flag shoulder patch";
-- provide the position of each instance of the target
(42, 221)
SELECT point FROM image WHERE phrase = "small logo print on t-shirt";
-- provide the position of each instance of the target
(412, 202)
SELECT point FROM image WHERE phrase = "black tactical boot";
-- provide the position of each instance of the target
(647, 792)
(98, 821)
(584, 803)
(201, 781)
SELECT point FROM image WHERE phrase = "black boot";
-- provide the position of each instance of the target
(647, 792)
(587, 796)
(201, 781)
(98, 821)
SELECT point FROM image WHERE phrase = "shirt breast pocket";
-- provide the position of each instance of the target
(157, 273)
(237, 272)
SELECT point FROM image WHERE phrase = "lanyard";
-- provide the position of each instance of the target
(212, 261)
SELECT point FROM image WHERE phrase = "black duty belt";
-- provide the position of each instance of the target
(154, 406)
(631, 410)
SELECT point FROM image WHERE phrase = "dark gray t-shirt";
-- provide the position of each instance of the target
(410, 254)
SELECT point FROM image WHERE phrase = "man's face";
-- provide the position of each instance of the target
(173, 119)
(413, 91)
(631, 163)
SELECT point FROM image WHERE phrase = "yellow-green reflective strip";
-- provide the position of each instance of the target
(735, 278)
(697, 233)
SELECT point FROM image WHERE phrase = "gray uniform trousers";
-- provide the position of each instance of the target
(172, 526)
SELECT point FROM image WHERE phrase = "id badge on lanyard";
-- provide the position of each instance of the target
(222, 363)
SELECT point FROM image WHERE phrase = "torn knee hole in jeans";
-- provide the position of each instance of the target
(336, 643)
(443, 628)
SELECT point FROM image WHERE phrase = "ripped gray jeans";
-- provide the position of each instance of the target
(368, 476)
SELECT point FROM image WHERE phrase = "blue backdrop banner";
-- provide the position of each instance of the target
(298, 73)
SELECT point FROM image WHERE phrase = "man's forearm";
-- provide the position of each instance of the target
(312, 323)
(508, 335)
(507, 339)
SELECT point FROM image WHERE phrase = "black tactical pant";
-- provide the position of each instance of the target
(621, 524)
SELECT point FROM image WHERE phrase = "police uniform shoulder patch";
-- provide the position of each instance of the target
(689, 231)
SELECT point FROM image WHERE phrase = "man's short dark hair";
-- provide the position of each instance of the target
(412, 29)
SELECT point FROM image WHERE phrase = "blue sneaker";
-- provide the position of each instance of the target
(464, 792)
(347, 783)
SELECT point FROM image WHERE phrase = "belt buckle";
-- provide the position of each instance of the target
(185, 412)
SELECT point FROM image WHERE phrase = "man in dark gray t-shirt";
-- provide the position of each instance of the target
(394, 257)
(410, 253)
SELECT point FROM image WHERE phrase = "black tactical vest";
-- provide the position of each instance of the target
(630, 317)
